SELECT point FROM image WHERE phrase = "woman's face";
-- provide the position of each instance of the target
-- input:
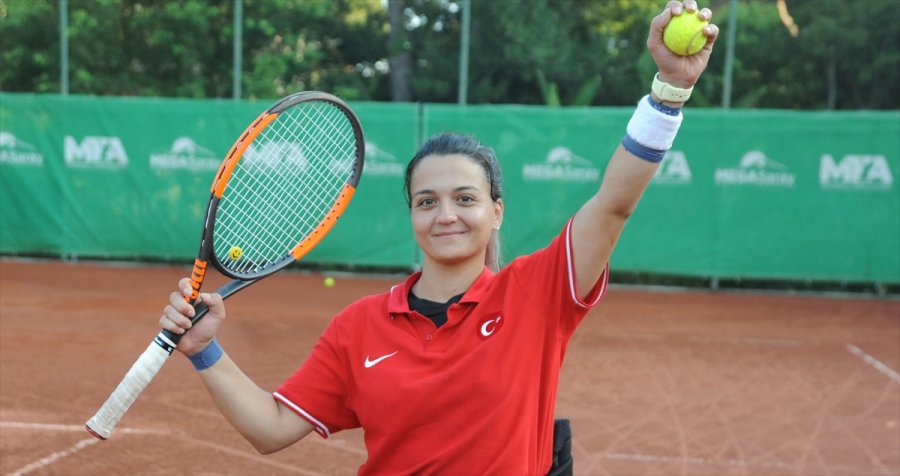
(453, 215)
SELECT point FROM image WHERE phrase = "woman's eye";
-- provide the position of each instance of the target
(426, 202)
(466, 198)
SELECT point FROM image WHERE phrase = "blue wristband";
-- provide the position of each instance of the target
(642, 151)
(669, 111)
(207, 357)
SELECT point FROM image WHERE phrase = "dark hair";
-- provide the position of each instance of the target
(450, 144)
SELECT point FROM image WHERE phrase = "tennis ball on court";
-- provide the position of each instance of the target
(684, 34)
(235, 252)
(329, 282)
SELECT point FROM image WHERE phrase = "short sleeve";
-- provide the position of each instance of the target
(548, 278)
(319, 390)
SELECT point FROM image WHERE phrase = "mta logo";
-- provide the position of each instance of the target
(95, 151)
(857, 171)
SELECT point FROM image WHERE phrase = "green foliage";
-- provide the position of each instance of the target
(23, 66)
(184, 48)
(852, 50)
(293, 46)
(558, 52)
(548, 90)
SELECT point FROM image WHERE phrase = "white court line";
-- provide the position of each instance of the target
(73, 428)
(709, 339)
(47, 460)
(52, 458)
(692, 460)
(250, 456)
(879, 365)
(777, 465)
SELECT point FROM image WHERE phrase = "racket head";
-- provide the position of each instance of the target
(284, 184)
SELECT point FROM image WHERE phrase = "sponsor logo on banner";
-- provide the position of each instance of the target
(185, 154)
(270, 155)
(382, 163)
(16, 152)
(281, 156)
(673, 170)
(756, 169)
(865, 172)
(97, 152)
(561, 165)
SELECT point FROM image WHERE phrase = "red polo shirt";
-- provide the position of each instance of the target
(475, 396)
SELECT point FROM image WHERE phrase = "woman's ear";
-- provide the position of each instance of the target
(498, 213)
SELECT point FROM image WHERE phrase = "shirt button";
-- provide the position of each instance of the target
(429, 337)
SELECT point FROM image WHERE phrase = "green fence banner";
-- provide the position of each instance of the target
(375, 230)
(742, 194)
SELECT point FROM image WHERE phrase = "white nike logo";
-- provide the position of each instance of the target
(372, 363)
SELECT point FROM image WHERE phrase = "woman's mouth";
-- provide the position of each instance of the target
(444, 234)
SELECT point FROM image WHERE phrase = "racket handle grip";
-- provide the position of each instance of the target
(135, 381)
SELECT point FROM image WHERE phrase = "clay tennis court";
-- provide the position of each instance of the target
(656, 382)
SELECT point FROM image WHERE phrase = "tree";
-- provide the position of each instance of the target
(560, 52)
(184, 48)
(400, 61)
(844, 56)
(29, 47)
(336, 46)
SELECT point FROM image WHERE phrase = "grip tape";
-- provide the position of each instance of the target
(136, 380)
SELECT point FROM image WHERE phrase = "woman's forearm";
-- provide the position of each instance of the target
(252, 411)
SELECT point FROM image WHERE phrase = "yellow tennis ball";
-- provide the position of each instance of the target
(684, 34)
(329, 282)
(235, 252)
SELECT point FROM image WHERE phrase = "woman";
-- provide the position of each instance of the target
(455, 370)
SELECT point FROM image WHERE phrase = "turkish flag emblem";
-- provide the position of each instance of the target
(490, 327)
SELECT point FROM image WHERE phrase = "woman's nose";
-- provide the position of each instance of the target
(446, 213)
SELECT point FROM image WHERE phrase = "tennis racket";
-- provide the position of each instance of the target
(279, 191)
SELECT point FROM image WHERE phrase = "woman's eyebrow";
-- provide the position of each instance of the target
(463, 188)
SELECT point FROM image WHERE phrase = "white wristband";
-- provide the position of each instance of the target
(653, 128)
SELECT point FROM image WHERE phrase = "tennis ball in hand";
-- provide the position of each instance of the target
(329, 282)
(235, 252)
(684, 34)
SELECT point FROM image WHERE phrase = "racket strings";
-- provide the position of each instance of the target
(264, 227)
(284, 141)
(285, 185)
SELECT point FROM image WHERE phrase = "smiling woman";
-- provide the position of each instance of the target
(455, 370)
(455, 215)
(484, 184)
